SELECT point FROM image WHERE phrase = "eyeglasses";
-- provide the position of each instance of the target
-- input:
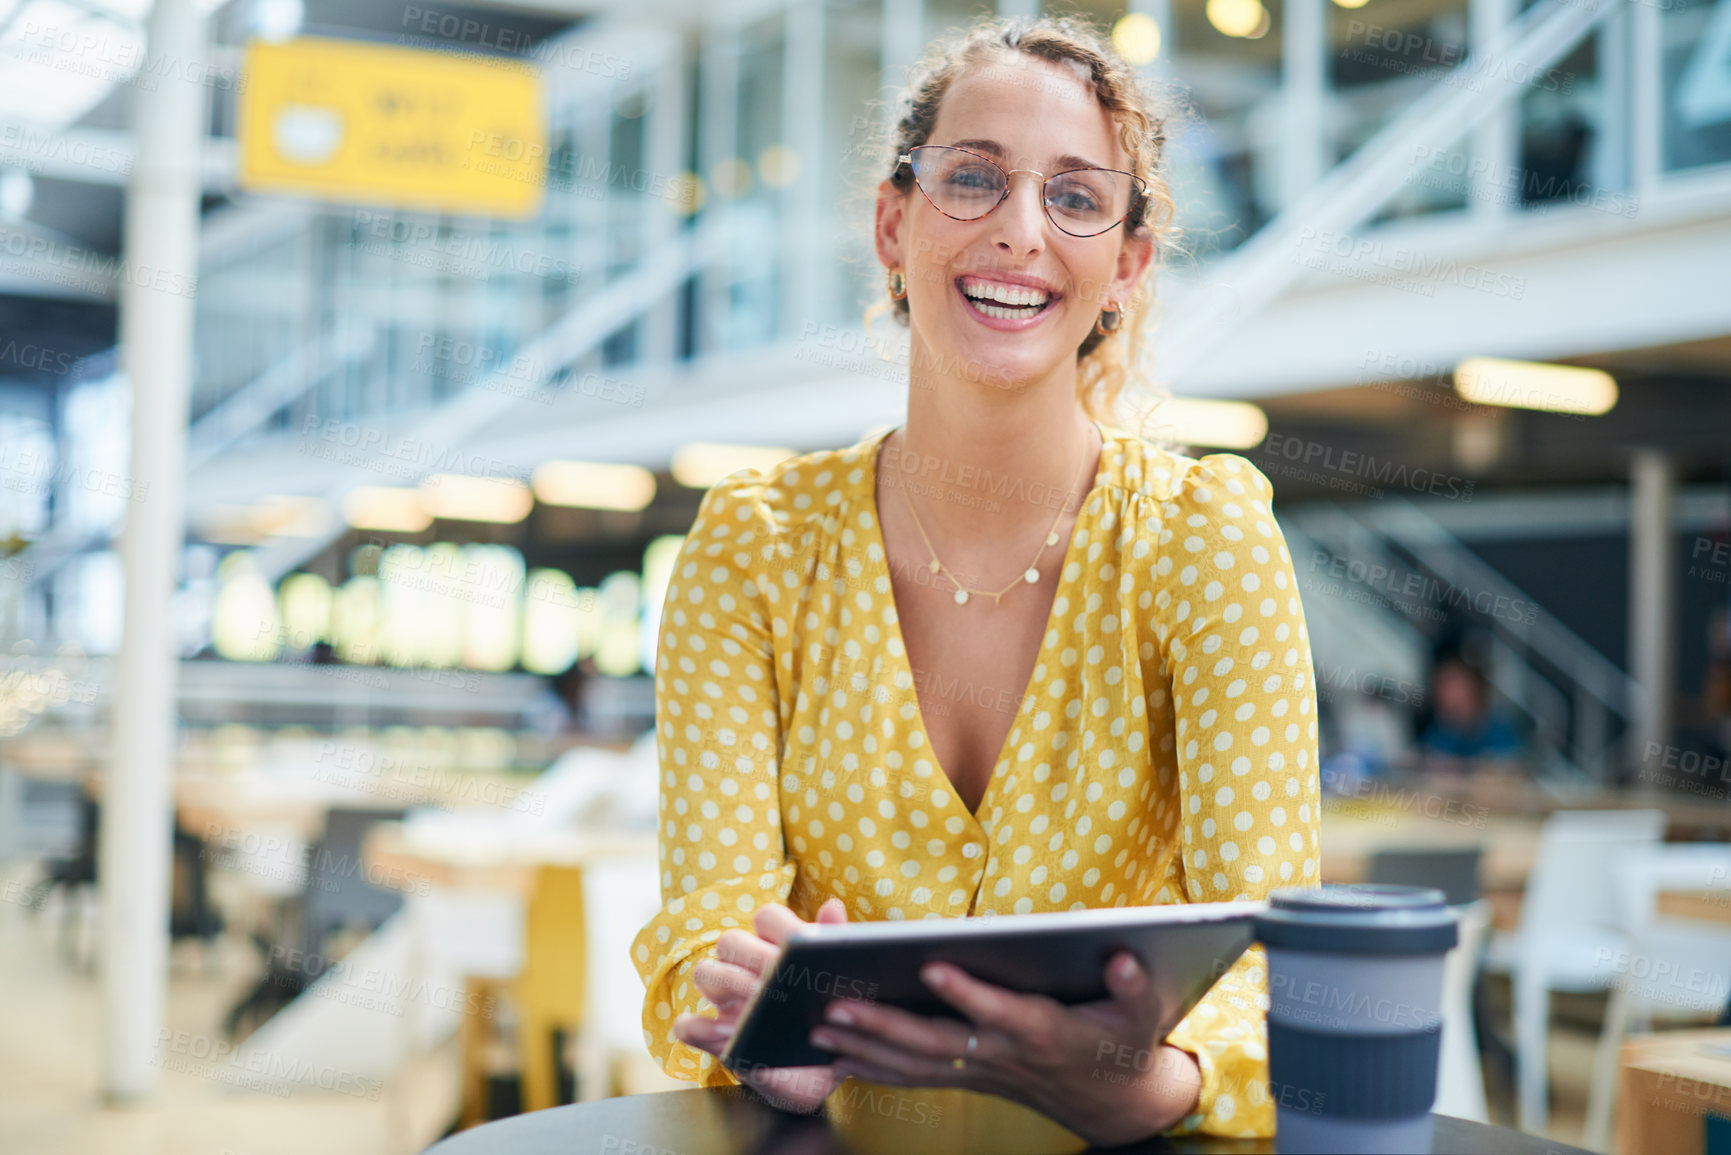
(965, 186)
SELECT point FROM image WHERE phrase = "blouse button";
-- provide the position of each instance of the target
(970, 850)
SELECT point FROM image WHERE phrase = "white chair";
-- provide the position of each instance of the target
(594, 786)
(1571, 913)
(1455, 872)
(1674, 968)
(1460, 1078)
(620, 895)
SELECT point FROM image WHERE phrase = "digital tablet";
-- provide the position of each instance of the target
(1184, 947)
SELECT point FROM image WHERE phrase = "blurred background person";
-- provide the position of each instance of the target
(1463, 730)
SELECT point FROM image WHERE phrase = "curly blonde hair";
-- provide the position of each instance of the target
(1105, 366)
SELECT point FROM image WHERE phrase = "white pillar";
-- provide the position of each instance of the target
(595, 240)
(156, 317)
(718, 140)
(903, 39)
(665, 147)
(1304, 79)
(1646, 99)
(1610, 160)
(806, 255)
(1652, 596)
(1495, 145)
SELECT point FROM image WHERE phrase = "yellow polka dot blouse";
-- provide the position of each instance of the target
(1164, 750)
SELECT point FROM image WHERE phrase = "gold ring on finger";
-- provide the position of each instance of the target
(973, 1046)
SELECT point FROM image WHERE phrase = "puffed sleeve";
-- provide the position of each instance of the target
(718, 733)
(1230, 628)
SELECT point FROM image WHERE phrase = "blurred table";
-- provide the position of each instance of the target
(1502, 815)
(497, 857)
(1352, 831)
(1513, 795)
(484, 853)
(1668, 1083)
(286, 784)
(860, 1118)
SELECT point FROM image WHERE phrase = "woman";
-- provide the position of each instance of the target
(942, 673)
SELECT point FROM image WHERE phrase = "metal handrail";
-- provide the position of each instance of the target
(1599, 688)
(1404, 522)
(1386, 644)
(573, 336)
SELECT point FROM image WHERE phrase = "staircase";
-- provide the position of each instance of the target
(1382, 580)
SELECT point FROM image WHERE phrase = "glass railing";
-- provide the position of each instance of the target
(441, 303)
(375, 311)
(1572, 124)
(1695, 83)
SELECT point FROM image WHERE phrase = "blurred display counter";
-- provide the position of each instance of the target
(295, 793)
(65, 689)
(337, 695)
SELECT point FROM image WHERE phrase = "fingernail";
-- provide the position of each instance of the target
(840, 1014)
(934, 976)
(1126, 968)
(725, 1030)
(823, 1039)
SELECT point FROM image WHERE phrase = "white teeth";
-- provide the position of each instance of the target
(1005, 294)
(1000, 312)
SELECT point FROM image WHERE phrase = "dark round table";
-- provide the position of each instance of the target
(860, 1119)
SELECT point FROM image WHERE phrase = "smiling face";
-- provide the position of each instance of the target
(1011, 295)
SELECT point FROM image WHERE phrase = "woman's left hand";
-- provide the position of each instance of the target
(1097, 1068)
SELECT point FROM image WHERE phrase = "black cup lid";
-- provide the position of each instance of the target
(1365, 918)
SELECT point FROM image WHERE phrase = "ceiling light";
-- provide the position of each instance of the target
(291, 517)
(703, 463)
(1136, 36)
(503, 500)
(778, 166)
(1235, 17)
(1534, 385)
(730, 176)
(1214, 424)
(227, 525)
(387, 508)
(594, 485)
(687, 192)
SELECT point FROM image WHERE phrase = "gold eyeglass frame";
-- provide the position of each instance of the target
(1138, 187)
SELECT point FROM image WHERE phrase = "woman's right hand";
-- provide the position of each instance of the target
(729, 979)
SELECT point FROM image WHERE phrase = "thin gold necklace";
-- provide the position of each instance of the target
(1030, 576)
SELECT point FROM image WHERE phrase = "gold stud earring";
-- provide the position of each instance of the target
(898, 285)
(1109, 320)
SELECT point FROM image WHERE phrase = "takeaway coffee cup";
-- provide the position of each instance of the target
(1354, 1018)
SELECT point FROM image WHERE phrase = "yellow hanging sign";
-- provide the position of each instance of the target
(348, 121)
